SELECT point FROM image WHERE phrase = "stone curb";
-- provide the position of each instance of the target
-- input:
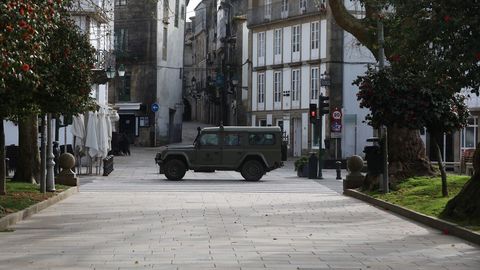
(13, 218)
(444, 226)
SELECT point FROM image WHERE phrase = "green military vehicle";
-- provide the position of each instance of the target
(252, 151)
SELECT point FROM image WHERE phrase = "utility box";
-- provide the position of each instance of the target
(312, 166)
(374, 157)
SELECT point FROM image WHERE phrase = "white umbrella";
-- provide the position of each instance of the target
(78, 127)
(109, 132)
(92, 137)
(102, 133)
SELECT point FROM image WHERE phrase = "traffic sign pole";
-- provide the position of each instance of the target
(155, 107)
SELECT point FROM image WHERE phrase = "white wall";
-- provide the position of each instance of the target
(287, 44)
(169, 77)
(354, 133)
(305, 43)
(269, 90)
(245, 68)
(269, 48)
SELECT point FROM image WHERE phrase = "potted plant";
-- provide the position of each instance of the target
(301, 166)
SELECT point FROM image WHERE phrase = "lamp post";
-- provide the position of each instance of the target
(193, 93)
(323, 108)
(111, 75)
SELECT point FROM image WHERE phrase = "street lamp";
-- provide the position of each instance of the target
(121, 70)
(110, 72)
(323, 107)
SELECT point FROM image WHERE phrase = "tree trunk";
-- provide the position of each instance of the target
(466, 205)
(406, 154)
(28, 169)
(440, 165)
(3, 188)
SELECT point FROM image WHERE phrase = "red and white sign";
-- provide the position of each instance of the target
(336, 121)
(337, 114)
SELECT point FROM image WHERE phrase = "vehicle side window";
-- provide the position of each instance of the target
(261, 139)
(231, 140)
(209, 139)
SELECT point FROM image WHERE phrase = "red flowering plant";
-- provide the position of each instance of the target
(24, 31)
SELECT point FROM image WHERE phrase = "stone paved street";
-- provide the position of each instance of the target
(135, 219)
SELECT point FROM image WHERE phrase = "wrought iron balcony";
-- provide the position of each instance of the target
(261, 14)
(100, 10)
(103, 60)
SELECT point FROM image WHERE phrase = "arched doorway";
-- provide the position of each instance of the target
(187, 112)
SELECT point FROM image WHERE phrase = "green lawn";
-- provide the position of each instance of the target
(22, 195)
(424, 195)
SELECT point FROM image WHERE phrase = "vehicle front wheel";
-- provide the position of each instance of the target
(175, 169)
(252, 170)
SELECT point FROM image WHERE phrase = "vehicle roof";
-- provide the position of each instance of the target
(243, 128)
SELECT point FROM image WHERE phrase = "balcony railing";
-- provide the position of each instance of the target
(97, 9)
(103, 60)
(278, 11)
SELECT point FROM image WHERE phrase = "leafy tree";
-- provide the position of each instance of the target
(67, 75)
(407, 155)
(397, 97)
(43, 71)
(437, 42)
(24, 27)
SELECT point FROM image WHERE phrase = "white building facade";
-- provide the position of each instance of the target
(293, 45)
(170, 41)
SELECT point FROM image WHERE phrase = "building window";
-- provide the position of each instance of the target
(164, 44)
(277, 48)
(261, 44)
(177, 11)
(120, 3)
(166, 9)
(314, 82)
(315, 36)
(120, 40)
(277, 86)
(303, 5)
(268, 9)
(295, 85)
(469, 134)
(296, 38)
(261, 87)
(125, 94)
(284, 5)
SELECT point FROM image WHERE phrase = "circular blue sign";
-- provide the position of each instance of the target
(155, 107)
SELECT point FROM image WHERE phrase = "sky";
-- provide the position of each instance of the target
(190, 7)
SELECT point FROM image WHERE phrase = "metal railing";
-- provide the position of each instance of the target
(278, 11)
(100, 10)
(104, 59)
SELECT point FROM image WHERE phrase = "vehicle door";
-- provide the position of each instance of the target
(209, 152)
(233, 150)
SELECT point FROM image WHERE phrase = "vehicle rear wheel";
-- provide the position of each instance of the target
(175, 169)
(252, 170)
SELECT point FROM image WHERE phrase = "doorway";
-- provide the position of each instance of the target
(127, 126)
(297, 137)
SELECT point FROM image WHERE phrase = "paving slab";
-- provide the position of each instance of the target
(136, 219)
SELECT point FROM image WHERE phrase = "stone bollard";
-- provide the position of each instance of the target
(354, 178)
(66, 177)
